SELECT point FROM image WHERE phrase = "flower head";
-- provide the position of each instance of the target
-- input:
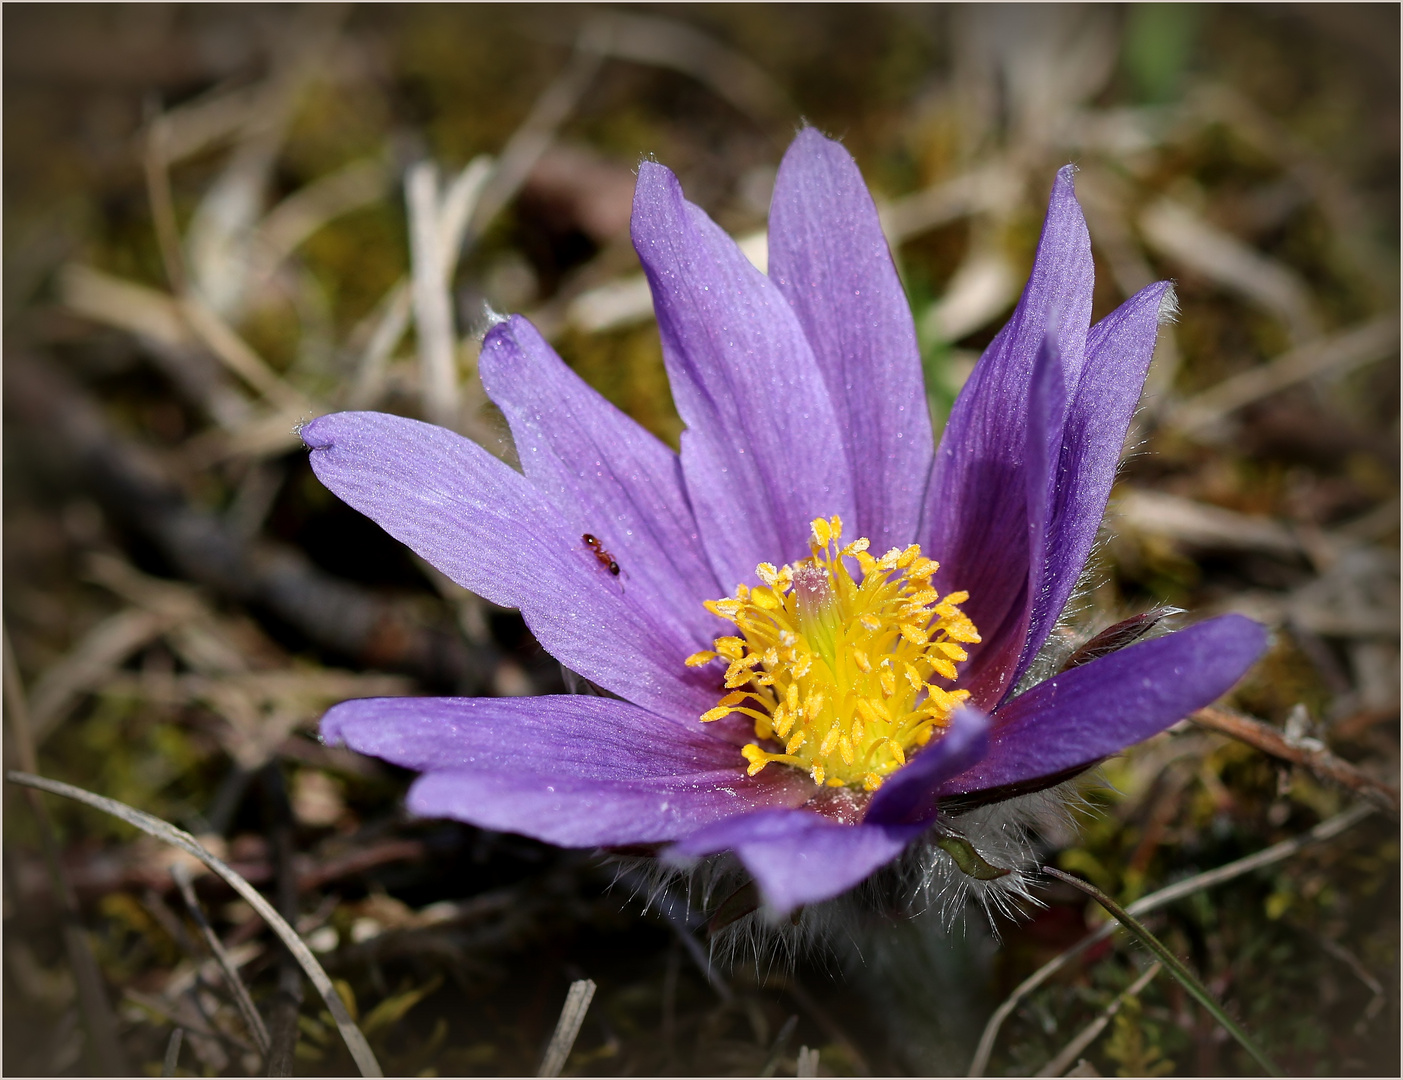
(780, 691)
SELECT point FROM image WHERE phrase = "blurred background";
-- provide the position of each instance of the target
(221, 221)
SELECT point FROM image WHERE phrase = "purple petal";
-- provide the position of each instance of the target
(1083, 451)
(976, 510)
(831, 261)
(797, 857)
(763, 451)
(1047, 414)
(1083, 715)
(606, 476)
(485, 526)
(909, 795)
(575, 771)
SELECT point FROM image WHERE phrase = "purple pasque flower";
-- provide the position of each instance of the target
(778, 692)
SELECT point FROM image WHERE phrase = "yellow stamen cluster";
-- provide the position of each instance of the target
(836, 672)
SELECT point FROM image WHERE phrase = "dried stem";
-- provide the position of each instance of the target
(1319, 761)
(567, 1028)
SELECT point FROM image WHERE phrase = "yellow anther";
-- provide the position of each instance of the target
(765, 598)
(715, 714)
(914, 634)
(957, 598)
(835, 668)
(758, 758)
(943, 666)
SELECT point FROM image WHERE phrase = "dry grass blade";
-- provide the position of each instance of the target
(1178, 233)
(988, 189)
(156, 162)
(1088, 1035)
(1332, 355)
(674, 44)
(1202, 525)
(567, 1028)
(154, 826)
(1156, 900)
(101, 651)
(433, 308)
(238, 357)
(172, 1058)
(536, 132)
(301, 214)
(256, 1027)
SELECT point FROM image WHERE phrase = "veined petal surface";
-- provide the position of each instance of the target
(976, 508)
(606, 476)
(572, 770)
(489, 529)
(1083, 715)
(1083, 451)
(830, 259)
(763, 451)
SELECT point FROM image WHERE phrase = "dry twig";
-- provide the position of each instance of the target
(1313, 757)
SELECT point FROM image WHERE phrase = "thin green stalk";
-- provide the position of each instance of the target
(1176, 967)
